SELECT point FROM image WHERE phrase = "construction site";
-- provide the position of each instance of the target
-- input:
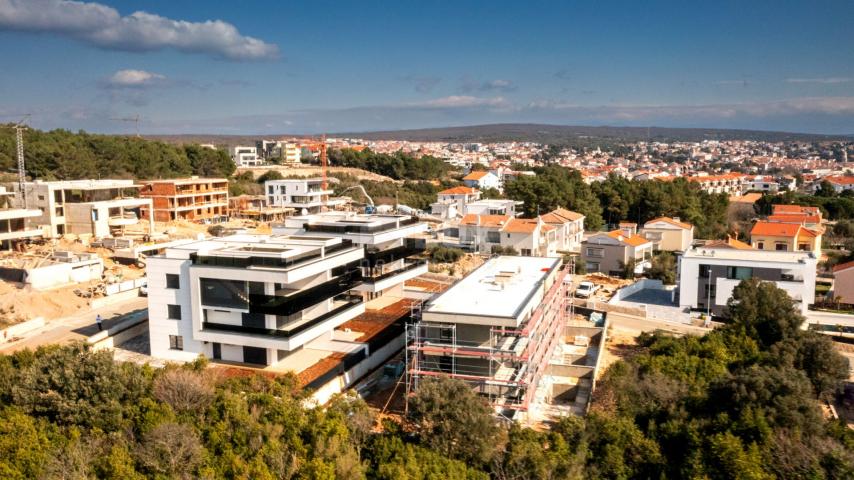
(508, 330)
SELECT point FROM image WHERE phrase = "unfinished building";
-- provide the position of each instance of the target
(496, 329)
(193, 199)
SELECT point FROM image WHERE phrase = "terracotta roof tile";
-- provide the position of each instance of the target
(775, 229)
(521, 225)
(485, 220)
(843, 266)
(459, 191)
(475, 175)
(634, 240)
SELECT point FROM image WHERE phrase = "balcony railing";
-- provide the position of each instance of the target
(406, 250)
(350, 301)
(290, 304)
(262, 261)
(409, 266)
(360, 228)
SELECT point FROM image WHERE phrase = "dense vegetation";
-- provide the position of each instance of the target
(740, 402)
(617, 199)
(399, 165)
(63, 155)
(834, 206)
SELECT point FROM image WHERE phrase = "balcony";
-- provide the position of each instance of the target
(393, 254)
(376, 283)
(352, 228)
(285, 305)
(347, 302)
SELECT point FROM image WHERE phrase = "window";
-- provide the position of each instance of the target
(174, 312)
(739, 273)
(780, 246)
(224, 293)
(803, 247)
(705, 271)
(493, 237)
(173, 281)
(592, 266)
(710, 291)
(596, 252)
(176, 342)
(446, 334)
(760, 245)
(526, 252)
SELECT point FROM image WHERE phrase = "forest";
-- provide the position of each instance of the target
(741, 402)
(399, 165)
(63, 155)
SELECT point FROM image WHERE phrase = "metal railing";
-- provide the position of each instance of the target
(266, 261)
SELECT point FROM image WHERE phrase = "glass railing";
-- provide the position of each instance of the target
(409, 266)
(264, 261)
(360, 228)
(350, 301)
(406, 250)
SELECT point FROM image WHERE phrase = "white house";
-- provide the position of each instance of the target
(569, 228)
(306, 195)
(245, 156)
(528, 237)
(483, 179)
(708, 274)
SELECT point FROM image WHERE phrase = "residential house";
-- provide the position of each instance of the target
(528, 237)
(785, 237)
(840, 183)
(482, 180)
(244, 156)
(611, 252)
(306, 195)
(669, 234)
(709, 273)
(569, 228)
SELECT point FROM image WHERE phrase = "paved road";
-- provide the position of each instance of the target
(830, 318)
(78, 326)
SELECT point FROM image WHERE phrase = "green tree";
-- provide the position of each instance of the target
(764, 311)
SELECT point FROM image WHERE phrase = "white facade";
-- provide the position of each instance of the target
(724, 268)
(306, 195)
(248, 298)
(245, 156)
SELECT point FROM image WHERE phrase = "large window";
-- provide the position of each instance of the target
(228, 293)
(493, 237)
(596, 252)
(174, 312)
(739, 273)
(173, 281)
(780, 246)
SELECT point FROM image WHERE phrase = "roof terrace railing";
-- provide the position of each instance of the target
(266, 261)
(291, 304)
(360, 228)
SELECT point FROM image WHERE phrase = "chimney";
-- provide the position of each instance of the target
(677, 219)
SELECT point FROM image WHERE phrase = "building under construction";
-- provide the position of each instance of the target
(496, 329)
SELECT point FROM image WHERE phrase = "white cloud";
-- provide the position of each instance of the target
(497, 85)
(104, 27)
(134, 79)
(822, 80)
(461, 101)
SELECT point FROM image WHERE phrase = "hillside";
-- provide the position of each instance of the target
(529, 132)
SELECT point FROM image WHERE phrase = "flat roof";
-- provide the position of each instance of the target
(86, 184)
(185, 180)
(245, 245)
(747, 255)
(498, 288)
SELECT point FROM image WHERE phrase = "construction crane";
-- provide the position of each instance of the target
(323, 160)
(19, 146)
(370, 200)
(134, 119)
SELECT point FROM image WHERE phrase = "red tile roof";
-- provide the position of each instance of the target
(475, 175)
(634, 240)
(521, 225)
(671, 221)
(459, 191)
(778, 229)
(795, 209)
(843, 266)
(485, 220)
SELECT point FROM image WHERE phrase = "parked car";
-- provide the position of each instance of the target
(586, 289)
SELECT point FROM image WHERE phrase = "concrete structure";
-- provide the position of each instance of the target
(843, 283)
(708, 275)
(785, 237)
(451, 206)
(255, 207)
(388, 249)
(62, 268)
(610, 252)
(194, 198)
(496, 329)
(245, 156)
(305, 195)
(569, 228)
(840, 183)
(277, 151)
(13, 222)
(99, 208)
(482, 180)
(488, 233)
(669, 234)
(461, 196)
(762, 183)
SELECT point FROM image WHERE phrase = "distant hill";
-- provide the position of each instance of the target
(531, 132)
(542, 133)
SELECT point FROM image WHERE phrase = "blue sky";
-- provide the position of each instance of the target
(274, 67)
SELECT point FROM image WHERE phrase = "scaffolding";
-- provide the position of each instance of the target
(506, 368)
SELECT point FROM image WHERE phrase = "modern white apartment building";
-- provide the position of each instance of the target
(279, 300)
(306, 195)
(245, 156)
(708, 275)
(386, 239)
(248, 298)
(100, 208)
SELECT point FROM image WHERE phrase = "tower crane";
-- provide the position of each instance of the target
(134, 119)
(19, 147)
(323, 160)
